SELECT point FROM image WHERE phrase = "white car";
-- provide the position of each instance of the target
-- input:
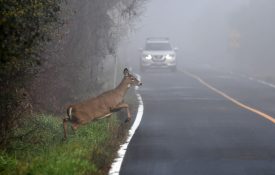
(158, 53)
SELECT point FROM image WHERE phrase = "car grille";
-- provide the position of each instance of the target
(158, 58)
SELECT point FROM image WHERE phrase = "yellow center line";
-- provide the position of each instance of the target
(262, 114)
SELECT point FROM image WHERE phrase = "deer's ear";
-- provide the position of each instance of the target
(126, 72)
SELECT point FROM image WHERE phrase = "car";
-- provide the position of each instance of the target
(158, 53)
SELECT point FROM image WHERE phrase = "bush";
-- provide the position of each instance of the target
(39, 149)
(24, 26)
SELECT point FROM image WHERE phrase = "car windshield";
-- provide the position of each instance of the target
(158, 46)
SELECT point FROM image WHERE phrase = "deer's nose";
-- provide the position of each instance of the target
(140, 84)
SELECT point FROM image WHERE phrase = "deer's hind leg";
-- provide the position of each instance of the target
(65, 128)
(75, 123)
(74, 127)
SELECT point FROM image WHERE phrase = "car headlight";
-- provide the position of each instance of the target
(148, 57)
(170, 57)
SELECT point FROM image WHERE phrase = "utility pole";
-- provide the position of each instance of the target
(115, 70)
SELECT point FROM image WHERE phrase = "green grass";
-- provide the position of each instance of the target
(38, 148)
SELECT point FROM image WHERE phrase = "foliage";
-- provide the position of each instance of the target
(42, 72)
(75, 65)
(24, 26)
(39, 148)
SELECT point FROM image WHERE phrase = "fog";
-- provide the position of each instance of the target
(207, 32)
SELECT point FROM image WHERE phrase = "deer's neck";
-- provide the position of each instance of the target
(122, 88)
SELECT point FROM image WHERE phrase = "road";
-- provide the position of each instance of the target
(189, 129)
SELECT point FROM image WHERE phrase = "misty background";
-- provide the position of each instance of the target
(61, 52)
(235, 35)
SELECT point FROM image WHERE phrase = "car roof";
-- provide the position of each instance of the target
(157, 40)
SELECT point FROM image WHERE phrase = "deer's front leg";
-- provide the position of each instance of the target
(123, 105)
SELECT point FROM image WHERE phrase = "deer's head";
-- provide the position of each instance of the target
(130, 79)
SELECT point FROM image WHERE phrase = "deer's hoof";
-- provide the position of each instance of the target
(64, 139)
(127, 120)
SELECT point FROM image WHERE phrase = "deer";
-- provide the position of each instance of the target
(101, 106)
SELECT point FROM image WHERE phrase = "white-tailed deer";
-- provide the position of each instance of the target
(101, 106)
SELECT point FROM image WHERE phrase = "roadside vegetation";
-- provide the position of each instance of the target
(38, 147)
(24, 27)
(52, 54)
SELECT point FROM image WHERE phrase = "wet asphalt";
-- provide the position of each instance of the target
(188, 129)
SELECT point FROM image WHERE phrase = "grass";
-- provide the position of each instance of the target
(37, 148)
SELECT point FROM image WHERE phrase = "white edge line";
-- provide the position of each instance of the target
(256, 80)
(266, 83)
(261, 81)
(116, 165)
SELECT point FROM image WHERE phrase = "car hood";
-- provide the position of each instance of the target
(158, 52)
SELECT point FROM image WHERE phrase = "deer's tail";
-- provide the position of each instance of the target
(69, 112)
(68, 117)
